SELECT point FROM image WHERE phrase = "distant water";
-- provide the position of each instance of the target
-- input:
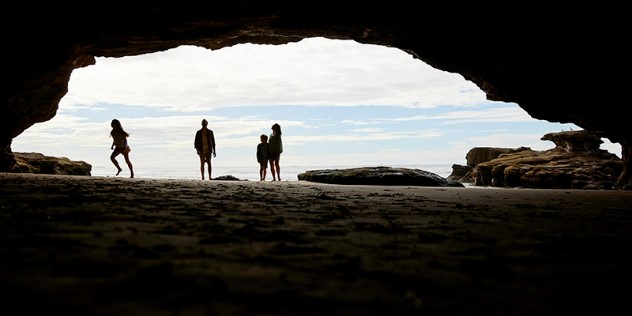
(288, 173)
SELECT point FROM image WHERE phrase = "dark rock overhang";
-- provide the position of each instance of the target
(555, 65)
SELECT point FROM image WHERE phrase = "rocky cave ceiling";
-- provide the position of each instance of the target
(557, 66)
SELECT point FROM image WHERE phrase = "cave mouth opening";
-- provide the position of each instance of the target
(341, 103)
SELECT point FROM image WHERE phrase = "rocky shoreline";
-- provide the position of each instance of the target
(576, 162)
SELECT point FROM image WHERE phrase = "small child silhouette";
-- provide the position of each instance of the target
(262, 156)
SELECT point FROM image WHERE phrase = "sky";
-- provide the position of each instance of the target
(339, 103)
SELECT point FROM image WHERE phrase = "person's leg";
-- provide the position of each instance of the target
(278, 168)
(272, 170)
(202, 162)
(265, 171)
(129, 165)
(113, 159)
(210, 168)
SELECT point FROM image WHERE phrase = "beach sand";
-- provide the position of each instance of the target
(78, 245)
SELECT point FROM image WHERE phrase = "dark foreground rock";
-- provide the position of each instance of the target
(41, 164)
(228, 178)
(378, 176)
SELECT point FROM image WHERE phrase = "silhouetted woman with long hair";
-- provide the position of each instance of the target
(275, 148)
(120, 146)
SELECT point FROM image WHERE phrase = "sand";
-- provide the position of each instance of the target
(80, 245)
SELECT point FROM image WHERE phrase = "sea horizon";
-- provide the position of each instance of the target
(251, 173)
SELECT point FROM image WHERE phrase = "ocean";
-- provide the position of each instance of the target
(251, 173)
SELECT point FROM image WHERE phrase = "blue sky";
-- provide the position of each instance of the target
(338, 102)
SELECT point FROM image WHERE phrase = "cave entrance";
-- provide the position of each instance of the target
(340, 104)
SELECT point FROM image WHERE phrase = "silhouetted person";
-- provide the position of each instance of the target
(275, 148)
(120, 146)
(262, 156)
(205, 146)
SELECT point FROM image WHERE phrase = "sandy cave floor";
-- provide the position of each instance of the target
(108, 245)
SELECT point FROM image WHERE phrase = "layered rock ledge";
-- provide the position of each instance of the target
(576, 162)
(41, 164)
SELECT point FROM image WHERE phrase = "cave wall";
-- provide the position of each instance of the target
(556, 65)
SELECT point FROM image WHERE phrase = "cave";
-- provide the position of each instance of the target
(558, 72)
(565, 253)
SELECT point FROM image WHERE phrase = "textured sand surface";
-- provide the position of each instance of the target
(117, 246)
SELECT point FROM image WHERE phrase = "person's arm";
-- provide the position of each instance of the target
(259, 152)
(280, 144)
(196, 141)
(213, 144)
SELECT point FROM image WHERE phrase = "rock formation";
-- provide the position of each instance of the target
(551, 63)
(378, 176)
(576, 162)
(484, 154)
(38, 163)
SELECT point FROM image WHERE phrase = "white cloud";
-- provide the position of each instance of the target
(313, 72)
(484, 115)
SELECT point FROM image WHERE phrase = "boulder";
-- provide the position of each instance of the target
(228, 178)
(378, 176)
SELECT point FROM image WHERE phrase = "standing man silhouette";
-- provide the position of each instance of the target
(205, 146)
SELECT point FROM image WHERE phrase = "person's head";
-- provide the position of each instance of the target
(116, 124)
(264, 138)
(117, 127)
(276, 128)
(204, 123)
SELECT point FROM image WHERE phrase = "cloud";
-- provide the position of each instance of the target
(313, 72)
